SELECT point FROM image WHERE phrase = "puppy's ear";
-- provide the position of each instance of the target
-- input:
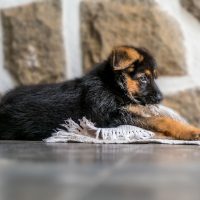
(122, 57)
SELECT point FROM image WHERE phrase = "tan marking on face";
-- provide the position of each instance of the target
(132, 85)
(130, 69)
(148, 72)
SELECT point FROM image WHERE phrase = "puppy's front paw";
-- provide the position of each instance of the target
(192, 135)
(196, 135)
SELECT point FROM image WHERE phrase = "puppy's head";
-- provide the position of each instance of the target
(135, 71)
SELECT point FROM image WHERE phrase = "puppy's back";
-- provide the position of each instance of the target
(32, 112)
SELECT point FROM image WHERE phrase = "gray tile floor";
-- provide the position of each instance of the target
(34, 170)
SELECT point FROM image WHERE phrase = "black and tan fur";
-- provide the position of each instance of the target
(112, 94)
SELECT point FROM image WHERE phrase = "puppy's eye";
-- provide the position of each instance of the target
(143, 79)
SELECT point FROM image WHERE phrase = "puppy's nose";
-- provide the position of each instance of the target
(159, 97)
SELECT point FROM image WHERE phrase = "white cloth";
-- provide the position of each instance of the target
(86, 132)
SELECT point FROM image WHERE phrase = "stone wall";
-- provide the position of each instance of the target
(52, 40)
(33, 43)
(35, 36)
(141, 23)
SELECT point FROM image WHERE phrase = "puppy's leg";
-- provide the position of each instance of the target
(164, 125)
(173, 128)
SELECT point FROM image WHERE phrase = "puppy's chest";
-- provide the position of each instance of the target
(140, 110)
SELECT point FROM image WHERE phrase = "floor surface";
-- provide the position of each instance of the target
(34, 170)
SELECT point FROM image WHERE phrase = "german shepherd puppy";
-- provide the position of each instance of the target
(109, 95)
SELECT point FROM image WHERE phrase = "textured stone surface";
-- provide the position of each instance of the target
(193, 6)
(186, 103)
(33, 43)
(107, 23)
